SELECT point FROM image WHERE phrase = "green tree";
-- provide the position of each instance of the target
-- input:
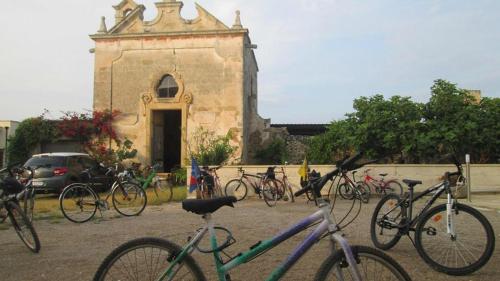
(273, 154)
(386, 128)
(30, 133)
(338, 141)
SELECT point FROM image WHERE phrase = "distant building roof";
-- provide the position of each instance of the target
(303, 129)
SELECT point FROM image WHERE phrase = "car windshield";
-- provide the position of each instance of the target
(46, 161)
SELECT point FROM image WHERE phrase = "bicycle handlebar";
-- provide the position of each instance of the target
(317, 185)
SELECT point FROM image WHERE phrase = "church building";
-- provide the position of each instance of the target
(170, 76)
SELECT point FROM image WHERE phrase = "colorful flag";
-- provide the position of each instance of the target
(303, 171)
(195, 175)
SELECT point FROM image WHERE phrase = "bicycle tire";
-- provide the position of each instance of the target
(377, 261)
(345, 191)
(29, 203)
(472, 229)
(390, 201)
(394, 186)
(73, 197)
(363, 192)
(162, 192)
(272, 191)
(131, 201)
(205, 191)
(237, 188)
(23, 227)
(139, 246)
(288, 196)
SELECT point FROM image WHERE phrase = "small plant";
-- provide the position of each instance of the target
(274, 153)
(180, 176)
(210, 149)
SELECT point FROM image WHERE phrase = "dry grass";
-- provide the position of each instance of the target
(47, 207)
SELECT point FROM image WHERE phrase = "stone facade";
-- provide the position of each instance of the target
(213, 66)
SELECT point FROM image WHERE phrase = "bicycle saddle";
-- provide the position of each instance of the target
(383, 175)
(412, 182)
(205, 206)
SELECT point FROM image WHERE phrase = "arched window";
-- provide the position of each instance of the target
(168, 87)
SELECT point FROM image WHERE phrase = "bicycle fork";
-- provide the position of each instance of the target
(450, 226)
(336, 237)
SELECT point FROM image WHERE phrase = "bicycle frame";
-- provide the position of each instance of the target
(325, 222)
(438, 189)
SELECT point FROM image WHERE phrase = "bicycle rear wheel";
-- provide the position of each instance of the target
(372, 265)
(129, 199)
(362, 192)
(386, 218)
(23, 227)
(147, 259)
(236, 188)
(464, 253)
(78, 202)
(345, 191)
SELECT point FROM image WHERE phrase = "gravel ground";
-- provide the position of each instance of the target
(74, 251)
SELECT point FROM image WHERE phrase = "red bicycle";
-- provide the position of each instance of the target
(382, 186)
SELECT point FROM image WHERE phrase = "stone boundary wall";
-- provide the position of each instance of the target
(484, 177)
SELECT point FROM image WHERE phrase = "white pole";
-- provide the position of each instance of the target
(467, 176)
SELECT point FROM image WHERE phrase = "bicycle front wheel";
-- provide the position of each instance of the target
(236, 188)
(23, 227)
(129, 199)
(163, 190)
(386, 218)
(393, 186)
(272, 192)
(372, 265)
(467, 251)
(147, 259)
(78, 202)
(29, 203)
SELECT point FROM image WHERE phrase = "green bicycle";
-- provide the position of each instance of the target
(149, 177)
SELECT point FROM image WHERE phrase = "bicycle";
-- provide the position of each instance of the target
(162, 192)
(267, 186)
(439, 231)
(209, 184)
(348, 188)
(9, 187)
(287, 186)
(380, 185)
(175, 262)
(79, 202)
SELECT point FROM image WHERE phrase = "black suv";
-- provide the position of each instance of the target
(57, 170)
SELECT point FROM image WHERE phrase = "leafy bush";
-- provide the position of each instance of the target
(274, 153)
(96, 133)
(30, 133)
(209, 149)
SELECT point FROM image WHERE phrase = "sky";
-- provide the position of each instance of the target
(315, 57)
